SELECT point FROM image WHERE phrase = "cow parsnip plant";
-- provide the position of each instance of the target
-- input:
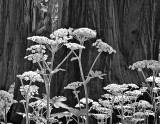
(39, 109)
(6, 101)
(151, 85)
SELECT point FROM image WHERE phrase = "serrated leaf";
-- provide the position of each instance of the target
(96, 74)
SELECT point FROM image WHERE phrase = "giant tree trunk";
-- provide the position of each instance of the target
(131, 27)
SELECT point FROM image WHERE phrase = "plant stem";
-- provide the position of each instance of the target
(143, 74)
(47, 83)
(64, 59)
(94, 62)
(5, 115)
(153, 98)
(27, 102)
(84, 84)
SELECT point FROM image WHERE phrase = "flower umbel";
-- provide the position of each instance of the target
(103, 47)
(32, 76)
(84, 34)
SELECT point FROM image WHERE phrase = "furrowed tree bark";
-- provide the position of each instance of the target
(131, 27)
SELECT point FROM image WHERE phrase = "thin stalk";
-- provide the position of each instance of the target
(27, 117)
(94, 62)
(80, 65)
(47, 82)
(143, 75)
(52, 59)
(64, 59)
(5, 119)
(83, 79)
(112, 110)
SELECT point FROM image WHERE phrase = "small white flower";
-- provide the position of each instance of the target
(74, 46)
(83, 100)
(133, 86)
(84, 34)
(39, 39)
(79, 105)
(31, 90)
(102, 46)
(150, 79)
(37, 48)
(37, 57)
(32, 76)
(73, 85)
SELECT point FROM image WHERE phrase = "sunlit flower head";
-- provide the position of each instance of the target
(143, 89)
(31, 76)
(6, 99)
(83, 100)
(103, 47)
(74, 46)
(73, 85)
(40, 104)
(61, 33)
(150, 64)
(30, 91)
(120, 98)
(135, 93)
(79, 105)
(105, 103)
(150, 79)
(39, 39)
(36, 57)
(115, 88)
(133, 86)
(37, 48)
(84, 34)
(100, 116)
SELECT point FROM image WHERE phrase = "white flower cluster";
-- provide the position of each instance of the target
(37, 57)
(105, 103)
(62, 35)
(115, 88)
(134, 93)
(73, 85)
(30, 90)
(37, 48)
(6, 100)
(150, 79)
(139, 65)
(103, 47)
(74, 46)
(100, 116)
(40, 104)
(39, 39)
(84, 34)
(32, 76)
(83, 100)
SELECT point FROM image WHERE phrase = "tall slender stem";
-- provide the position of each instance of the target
(84, 84)
(27, 117)
(64, 60)
(94, 62)
(5, 119)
